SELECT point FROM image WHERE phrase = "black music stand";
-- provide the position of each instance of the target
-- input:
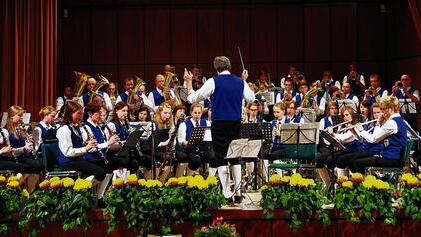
(196, 137)
(130, 143)
(152, 143)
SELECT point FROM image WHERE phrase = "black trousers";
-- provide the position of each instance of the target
(201, 154)
(325, 158)
(95, 168)
(223, 132)
(360, 164)
(23, 165)
(343, 160)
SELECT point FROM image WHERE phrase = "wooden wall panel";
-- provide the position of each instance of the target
(313, 71)
(343, 33)
(157, 35)
(210, 33)
(104, 36)
(131, 37)
(184, 35)
(263, 34)
(316, 33)
(290, 34)
(76, 30)
(237, 33)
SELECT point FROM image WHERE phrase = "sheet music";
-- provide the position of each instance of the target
(347, 102)
(407, 106)
(26, 118)
(235, 148)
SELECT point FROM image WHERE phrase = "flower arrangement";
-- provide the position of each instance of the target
(11, 199)
(142, 201)
(411, 195)
(301, 199)
(217, 229)
(58, 199)
(368, 195)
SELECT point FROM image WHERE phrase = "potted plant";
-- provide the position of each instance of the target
(411, 195)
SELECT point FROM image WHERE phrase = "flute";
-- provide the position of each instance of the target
(337, 125)
(358, 124)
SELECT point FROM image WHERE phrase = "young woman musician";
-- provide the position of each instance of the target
(74, 144)
(46, 129)
(193, 157)
(393, 135)
(291, 116)
(179, 112)
(17, 152)
(143, 115)
(277, 151)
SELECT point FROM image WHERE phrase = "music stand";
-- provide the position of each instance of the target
(158, 136)
(347, 102)
(308, 114)
(130, 143)
(407, 106)
(196, 137)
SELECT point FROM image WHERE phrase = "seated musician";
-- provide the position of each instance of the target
(288, 93)
(138, 98)
(144, 115)
(406, 93)
(374, 93)
(291, 72)
(17, 149)
(347, 90)
(90, 85)
(190, 158)
(74, 144)
(320, 100)
(161, 93)
(393, 135)
(46, 129)
(112, 93)
(368, 148)
(277, 151)
(291, 116)
(179, 113)
(67, 95)
(365, 114)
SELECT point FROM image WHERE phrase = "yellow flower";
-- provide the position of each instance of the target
(212, 181)
(192, 183)
(413, 181)
(54, 178)
(357, 178)
(406, 177)
(341, 179)
(55, 184)
(347, 184)
(13, 184)
(13, 178)
(379, 184)
(118, 183)
(419, 176)
(25, 193)
(142, 182)
(153, 183)
(285, 179)
(370, 177)
(81, 184)
(68, 182)
(305, 182)
(202, 185)
(295, 179)
(2, 179)
(368, 184)
(44, 184)
(264, 188)
(172, 182)
(275, 179)
(132, 180)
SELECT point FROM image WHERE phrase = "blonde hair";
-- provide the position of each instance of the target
(280, 105)
(390, 102)
(196, 105)
(12, 128)
(158, 119)
(46, 111)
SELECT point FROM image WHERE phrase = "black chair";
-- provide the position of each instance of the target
(50, 151)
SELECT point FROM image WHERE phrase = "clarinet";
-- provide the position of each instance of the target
(91, 136)
(6, 140)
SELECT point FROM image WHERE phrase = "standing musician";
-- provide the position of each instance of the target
(375, 93)
(67, 95)
(226, 92)
(393, 135)
(17, 151)
(46, 129)
(406, 93)
(162, 93)
(193, 157)
(90, 85)
(355, 80)
(74, 144)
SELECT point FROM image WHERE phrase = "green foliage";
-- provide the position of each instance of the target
(10, 202)
(411, 202)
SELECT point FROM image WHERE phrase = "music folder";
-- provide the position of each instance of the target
(243, 148)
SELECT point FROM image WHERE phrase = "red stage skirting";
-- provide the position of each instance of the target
(250, 223)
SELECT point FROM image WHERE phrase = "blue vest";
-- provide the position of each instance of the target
(295, 119)
(394, 145)
(86, 95)
(122, 132)
(298, 99)
(207, 103)
(350, 96)
(372, 147)
(327, 122)
(282, 94)
(227, 98)
(157, 97)
(47, 134)
(190, 126)
(276, 141)
(77, 142)
(124, 96)
(99, 136)
(400, 95)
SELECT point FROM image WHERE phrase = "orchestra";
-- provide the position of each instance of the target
(91, 126)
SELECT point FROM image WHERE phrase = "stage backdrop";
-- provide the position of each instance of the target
(122, 38)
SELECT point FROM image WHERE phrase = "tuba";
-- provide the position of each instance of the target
(101, 83)
(81, 79)
(306, 97)
(136, 89)
(169, 81)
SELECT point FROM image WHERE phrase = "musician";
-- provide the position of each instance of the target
(291, 72)
(319, 97)
(112, 92)
(302, 90)
(90, 85)
(365, 110)
(143, 115)
(254, 113)
(46, 129)
(198, 79)
(74, 143)
(67, 95)
(327, 81)
(128, 86)
(227, 92)
(406, 94)
(17, 149)
(355, 80)
(288, 92)
(291, 116)
(375, 93)
(393, 135)
(157, 96)
(348, 93)
(179, 113)
(325, 122)
(169, 69)
(277, 151)
(190, 158)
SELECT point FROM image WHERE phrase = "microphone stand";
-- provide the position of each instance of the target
(153, 148)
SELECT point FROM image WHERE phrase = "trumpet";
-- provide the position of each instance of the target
(371, 91)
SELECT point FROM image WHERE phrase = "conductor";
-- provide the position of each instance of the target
(227, 93)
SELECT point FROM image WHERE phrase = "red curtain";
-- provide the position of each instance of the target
(414, 5)
(28, 54)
